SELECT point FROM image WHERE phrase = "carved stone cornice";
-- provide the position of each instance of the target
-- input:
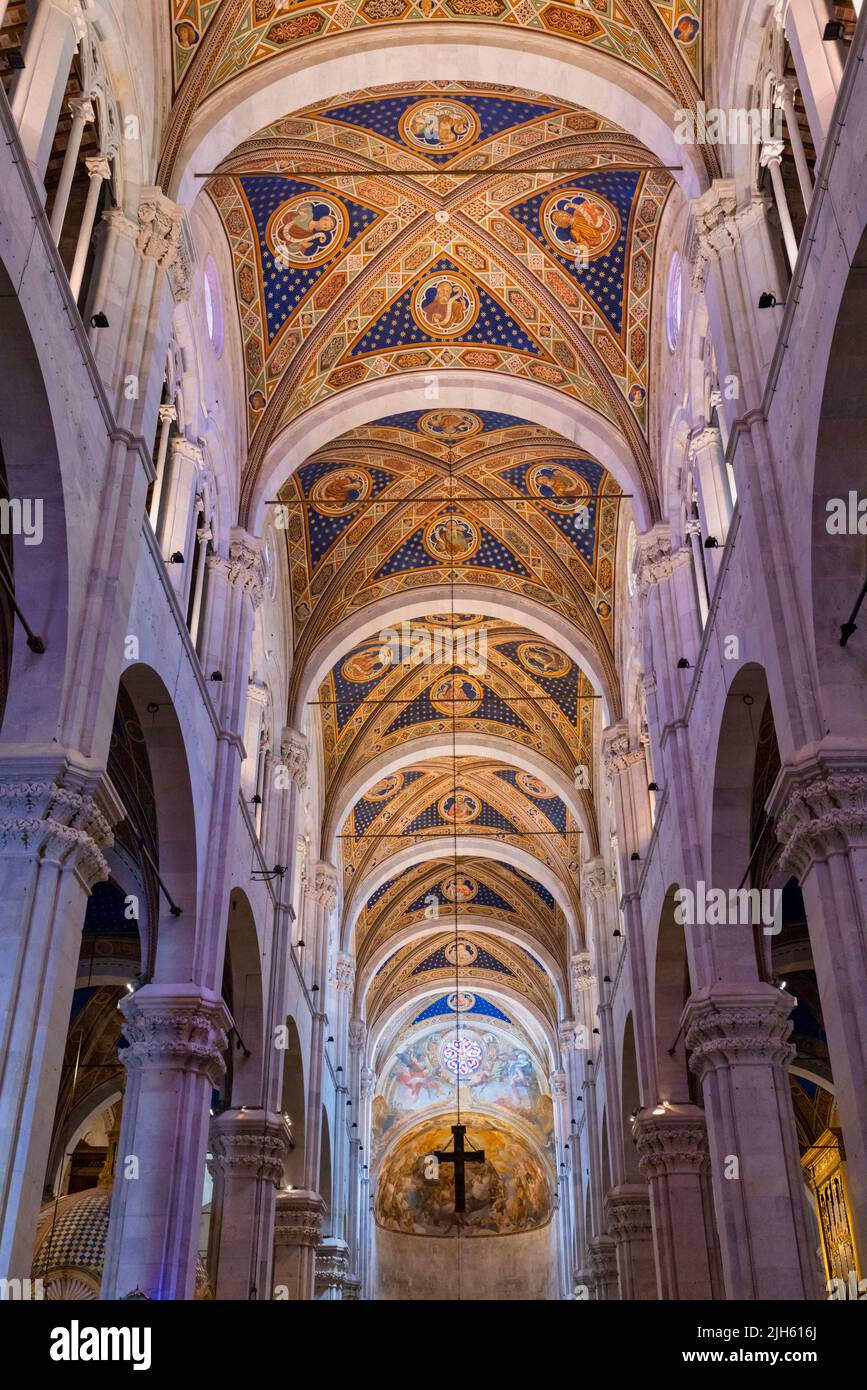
(294, 755)
(62, 817)
(728, 1025)
(332, 1264)
(176, 1028)
(326, 886)
(628, 1210)
(343, 977)
(819, 806)
(719, 223)
(675, 1142)
(250, 1144)
(655, 559)
(581, 971)
(298, 1218)
(159, 222)
(617, 753)
(357, 1034)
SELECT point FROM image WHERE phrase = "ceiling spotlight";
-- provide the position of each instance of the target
(683, 664)
(658, 1110)
(99, 321)
(767, 300)
(711, 543)
(653, 787)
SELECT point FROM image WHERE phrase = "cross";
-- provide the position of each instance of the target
(459, 1157)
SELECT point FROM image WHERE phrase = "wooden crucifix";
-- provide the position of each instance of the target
(459, 1156)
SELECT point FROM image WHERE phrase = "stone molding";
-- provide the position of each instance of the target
(819, 806)
(175, 1027)
(332, 1265)
(602, 1259)
(628, 1208)
(656, 559)
(159, 227)
(557, 1082)
(69, 823)
(325, 886)
(675, 1142)
(298, 1219)
(357, 1034)
(728, 1025)
(595, 881)
(719, 223)
(294, 755)
(250, 1144)
(343, 977)
(368, 1083)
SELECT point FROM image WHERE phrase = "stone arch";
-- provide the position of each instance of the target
(377, 56)
(33, 461)
(534, 401)
(293, 1105)
(176, 821)
(671, 991)
(629, 1100)
(837, 568)
(527, 1016)
(243, 980)
(325, 1176)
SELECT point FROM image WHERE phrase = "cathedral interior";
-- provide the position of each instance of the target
(433, 685)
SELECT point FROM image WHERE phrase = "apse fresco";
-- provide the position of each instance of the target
(498, 1069)
(506, 1193)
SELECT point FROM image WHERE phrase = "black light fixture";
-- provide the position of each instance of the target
(652, 787)
(300, 943)
(833, 31)
(711, 543)
(215, 676)
(15, 63)
(580, 1100)
(354, 1125)
(616, 932)
(314, 989)
(635, 856)
(767, 300)
(595, 1030)
(153, 707)
(338, 1069)
(99, 321)
(256, 800)
(176, 559)
(606, 979)
(683, 664)
(329, 1038)
(349, 1102)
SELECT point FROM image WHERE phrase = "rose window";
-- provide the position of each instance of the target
(462, 1055)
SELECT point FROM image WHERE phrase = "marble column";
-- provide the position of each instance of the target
(737, 1037)
(186, 463)
(168, 416)
(82, 114)
(344, 986)
(673, 1157)
(771, 159)
(819, 65)
(98, 171)
(249, 1147)
(56, 819)
(177, 1040)
(49, 47)
(628, 1207)
(297, 1234)
(819, 807)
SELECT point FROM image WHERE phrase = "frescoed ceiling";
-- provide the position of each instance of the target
(362, 250)
(215, 43)
(370, 515)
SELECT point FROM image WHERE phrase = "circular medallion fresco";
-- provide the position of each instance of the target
(367, 665)
(451, 539)
(462, 1055)
(558, 488)
(340, 491)
(541, 659)
(460, 1002)
(445, 305)
(575, 221)
(307, 230)
(459, 807)
(459, 888)
(385, 787)
(457, 695)
(450, 424)
(440, 126)
(460, 952)
(532, 785)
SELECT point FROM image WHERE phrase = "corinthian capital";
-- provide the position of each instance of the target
(326, 885)
(595, 881)
(344, 972)
(617, 754)
(581, 971)
(819, 805)
(732, 1025)
(56, 812)
(294, 754)
(159, 221)
(176, 1028)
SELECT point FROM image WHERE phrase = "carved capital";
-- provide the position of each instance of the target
(247, 569)
(250, 1144)
(675, 1142)
(557, 1082)
(617, 752)
(177, 1028)
(58, 813)
(595, 881)
(819, 806)
(298, 1219)
(293, 755)
(332, 1264)
(368, 1082)
(357, 1034)
(655, 559)
(98, 167)
(713, 219)
(602, 1258)
(581, 971)
(159, 221)
(343, 977)
(738, 1025)
(628, 1209)
(326, 885)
